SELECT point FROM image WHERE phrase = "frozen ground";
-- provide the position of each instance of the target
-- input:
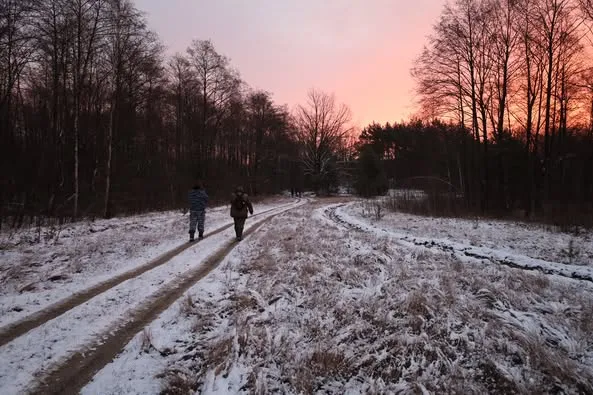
(323, 299)
(24, 358)
(41, 266)
(531, 240)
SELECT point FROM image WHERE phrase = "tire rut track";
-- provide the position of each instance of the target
(331, 213)
(74, 372)
(24, 325)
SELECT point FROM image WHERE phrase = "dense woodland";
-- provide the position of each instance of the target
(512, 84)
(95, 118)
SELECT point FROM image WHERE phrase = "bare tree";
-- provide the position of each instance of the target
(261, 117)
(127, 42)
(504, 38)
(587, 7)
(218, 84)
(531, 69)
(84, 85)
(322, 126)
(557, 20)
(459, 68)
(85, 16)
(513, 67)
(15, 53)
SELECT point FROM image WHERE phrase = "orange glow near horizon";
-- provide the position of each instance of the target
(360, 51)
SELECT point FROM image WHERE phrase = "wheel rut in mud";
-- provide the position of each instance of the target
(72, 374)
(331, 213)
(24, 325)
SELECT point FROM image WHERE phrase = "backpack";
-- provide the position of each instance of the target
(239, 202)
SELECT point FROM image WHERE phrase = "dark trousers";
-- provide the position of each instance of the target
(239, 224)
(197, 218)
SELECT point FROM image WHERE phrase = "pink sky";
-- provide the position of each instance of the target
(360, 50)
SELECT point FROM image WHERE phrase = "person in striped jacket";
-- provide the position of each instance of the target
(198, 200)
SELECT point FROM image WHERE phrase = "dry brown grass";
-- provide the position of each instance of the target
(362, 260)
(308, 269)
(187, 306)
(351, 277)
(373, 209)
(360, 308)
(177, 382)
(201, 323)
(265, 264)
(243, 301)
(536, 282)
(218, 352)
(255, 384)
(448, 292)
(306, 375)
(557, 368)
(252, 340)
(586, 317)
(15, 274)
(146, 340)
(416, 304)
(494, 328)
(457, 265)
(329, 363)
(302, 379)
(493, 379)
(289, 245)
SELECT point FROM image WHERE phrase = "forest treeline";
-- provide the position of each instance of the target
(96, 119)
(506, 95)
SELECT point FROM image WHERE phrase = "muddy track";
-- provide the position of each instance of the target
(330, 213)
(72, 374)
(24, 325)
(467, 251)
(506, 262)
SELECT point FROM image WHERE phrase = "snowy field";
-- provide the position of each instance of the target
(324, 299)
(527, 239)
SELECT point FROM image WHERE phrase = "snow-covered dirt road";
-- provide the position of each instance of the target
(324, 298)
(92, 316)
(39, 267)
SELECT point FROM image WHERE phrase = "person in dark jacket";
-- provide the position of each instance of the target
(240, 205)
(198, 200)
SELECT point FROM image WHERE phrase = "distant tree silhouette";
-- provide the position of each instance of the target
(323, 127)
(371, 179)
(515, 72)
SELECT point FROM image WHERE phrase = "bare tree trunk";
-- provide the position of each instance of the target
(550, 39)
(76, 162)
(485, 182)
(106, 207)
(77, 93)
(528, 129)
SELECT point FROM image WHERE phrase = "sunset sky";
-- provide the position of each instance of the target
(360, 50)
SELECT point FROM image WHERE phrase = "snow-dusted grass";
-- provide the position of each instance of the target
(528, 239)
(305, 305)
